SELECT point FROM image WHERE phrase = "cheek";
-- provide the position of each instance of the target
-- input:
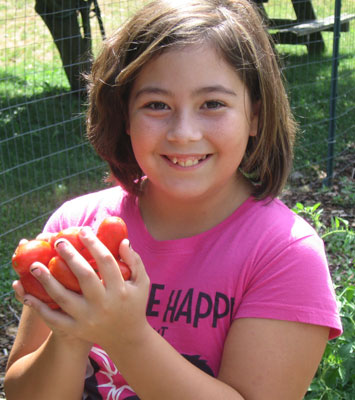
(230, 131)
(137, 132)
(140, 139)
(147, 132)
(138, 145)
(140, 155)
(143, 144)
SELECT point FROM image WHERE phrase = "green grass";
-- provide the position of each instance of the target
(44, 156)
(309, 86)
(309, 91)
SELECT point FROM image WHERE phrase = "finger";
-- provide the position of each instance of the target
(55, 319)
(19, 290)
(134, 261)
(46, 236)
(89, 282)
(108, 268)
(22, 241)
(66, 299)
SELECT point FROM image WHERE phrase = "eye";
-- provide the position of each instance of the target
(157, 105)
(213, 104)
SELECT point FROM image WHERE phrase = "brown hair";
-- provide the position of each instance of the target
(236, 30)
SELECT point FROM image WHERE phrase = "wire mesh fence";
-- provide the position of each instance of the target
(44, 157)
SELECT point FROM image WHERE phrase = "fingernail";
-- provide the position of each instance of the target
(27, 302)
(60, 243)
(35, 271)
(127, 241)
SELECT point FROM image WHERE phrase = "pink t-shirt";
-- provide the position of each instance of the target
(263, 261)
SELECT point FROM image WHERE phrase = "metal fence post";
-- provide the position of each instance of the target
(333, 94)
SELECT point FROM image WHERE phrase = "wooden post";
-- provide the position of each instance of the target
(305, 12)
(333, 94)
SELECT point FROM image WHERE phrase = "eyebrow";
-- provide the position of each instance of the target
(214, 88)
(203, 90)
(152, 90)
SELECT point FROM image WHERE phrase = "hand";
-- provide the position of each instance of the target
(109, 310)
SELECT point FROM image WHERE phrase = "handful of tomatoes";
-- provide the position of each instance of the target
(111, 232)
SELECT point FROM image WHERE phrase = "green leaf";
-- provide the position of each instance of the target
(345, 350)
(332, 376)
(315, 206)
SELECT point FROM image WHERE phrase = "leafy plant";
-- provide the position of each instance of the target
(346, 193)
(335, 378)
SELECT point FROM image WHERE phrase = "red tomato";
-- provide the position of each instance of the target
(92, 262)
(72, 235)
(63, 274)
(29, 252)
(32, 286)
(125, 271)
(111, 232)
(86, 254)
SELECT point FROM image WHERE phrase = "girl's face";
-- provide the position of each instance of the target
(190, 118)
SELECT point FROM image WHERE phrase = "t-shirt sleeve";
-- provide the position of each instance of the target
(55, 222)
(293, 283)
(88, 209)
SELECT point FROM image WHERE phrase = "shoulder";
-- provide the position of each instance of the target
(278, 234)
(87, 208)
(286, 269)
(275, 221)
(259, 231)
(274, 213)
(268, 224)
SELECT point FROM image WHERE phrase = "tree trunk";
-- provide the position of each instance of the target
(61, 18)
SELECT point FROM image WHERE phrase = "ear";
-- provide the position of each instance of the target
(254, 118)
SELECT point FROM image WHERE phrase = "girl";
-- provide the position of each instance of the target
(230, 295)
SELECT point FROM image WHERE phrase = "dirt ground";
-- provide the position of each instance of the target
(335, 202)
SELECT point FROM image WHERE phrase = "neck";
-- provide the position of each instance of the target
(168, 218)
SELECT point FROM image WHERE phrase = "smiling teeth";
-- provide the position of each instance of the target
(187, 162)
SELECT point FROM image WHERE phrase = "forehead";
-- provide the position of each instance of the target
(191, 67)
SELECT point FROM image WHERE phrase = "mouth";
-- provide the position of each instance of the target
(187, 161)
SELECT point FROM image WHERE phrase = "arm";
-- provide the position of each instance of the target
(41, 361)
(270, 359)
(262, 359)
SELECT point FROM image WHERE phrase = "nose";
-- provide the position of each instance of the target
(184, 127)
